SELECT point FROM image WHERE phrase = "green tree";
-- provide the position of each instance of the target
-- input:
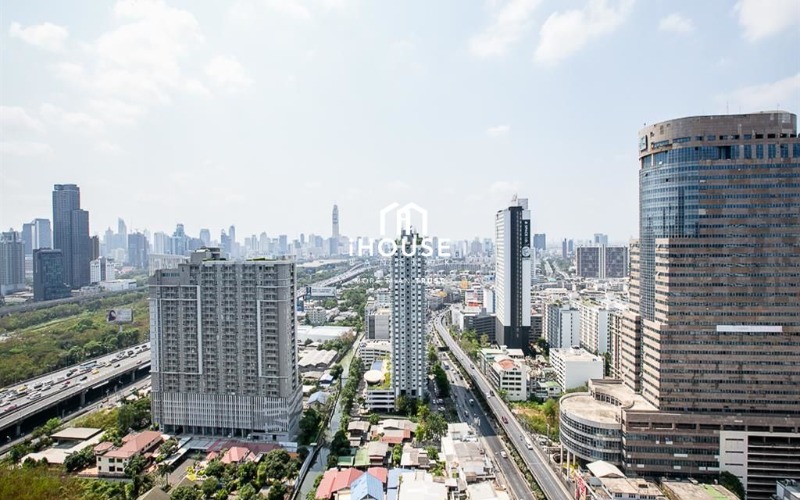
(210, 486)
(437, 425)
(309, 426)
(397, 454)
(732, 482)
(215, 468)
(247, 492)
(277, 464)
(277, 491)
(186, 493)
(247, 472)
(374, 419)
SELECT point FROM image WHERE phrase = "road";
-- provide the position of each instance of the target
(547, 479)
(474, 415)
(14, 407)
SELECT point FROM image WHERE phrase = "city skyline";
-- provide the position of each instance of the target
(93, 92)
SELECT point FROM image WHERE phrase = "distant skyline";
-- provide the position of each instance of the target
(264, 113)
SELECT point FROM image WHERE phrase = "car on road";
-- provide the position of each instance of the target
(116, 366)
(505, 420)
(504, 454)
(83, 378)
(95, 371)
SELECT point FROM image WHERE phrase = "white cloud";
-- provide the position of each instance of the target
(507, 27)
(15, 118)
(290, 8)
(676, 23)
(503, 189)
(71, 121)
(784, 93)
(227, 72)
(106, 147)
(22, 148)
(564, 33)
(498, 130)
(47, 36)
(403, 45)
(138, 62)
(764, 18)
(116, 111)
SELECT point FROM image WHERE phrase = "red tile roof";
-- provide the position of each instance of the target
(333, 481)
(135, 443)
(235, 455)
(381, 473)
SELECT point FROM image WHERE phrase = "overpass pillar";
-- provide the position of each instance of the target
(133, 376)
(83, 398)
(19, 428)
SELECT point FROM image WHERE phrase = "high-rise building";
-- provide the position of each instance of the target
(102, 269)
(602, 262)
(513, 275)
(162, 244)
(540, 242)
(561, 325)
(71, 234)
(137, 250)
(27, 237)
(224, 355)
(205, 237)
(49, 282)
(179, 241)
(600, 239)
(334, 250)
(94, 246)
(122, 234)
(409, 318)
(42, 234)
(715, 282)
(12, 262)
(564, 250)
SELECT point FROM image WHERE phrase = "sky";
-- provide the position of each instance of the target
(264, 113)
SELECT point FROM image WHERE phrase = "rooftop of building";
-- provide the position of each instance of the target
(317, 357)
(692, 490)
(575, 354)
(585, 405)
(75, 433)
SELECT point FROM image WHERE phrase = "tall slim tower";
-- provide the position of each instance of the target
(224, 359)
(71, 234)
(334, 250)
(409, 309)
(513, 275)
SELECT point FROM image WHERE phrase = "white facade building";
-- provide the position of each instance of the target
(102, 269)
(574, 367)
(409, 311)
(594, 327)
(561, 325)
(223, 337)
(510, 376)
(372, 350)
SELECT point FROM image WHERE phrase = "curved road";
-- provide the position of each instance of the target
(547, 479)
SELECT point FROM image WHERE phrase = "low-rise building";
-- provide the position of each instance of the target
(316, 316)
(574, 367)
(373, 350)
(316, 360)
(111, 460)
(509, 377)
(677, 489)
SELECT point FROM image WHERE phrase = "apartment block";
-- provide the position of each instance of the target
(224, 348)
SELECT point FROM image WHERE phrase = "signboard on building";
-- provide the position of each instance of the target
(120, 316)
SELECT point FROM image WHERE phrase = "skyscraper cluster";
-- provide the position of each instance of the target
(71, 234)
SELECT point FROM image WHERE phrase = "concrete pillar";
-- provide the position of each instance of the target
(19, 428)
(133, 376)
(83, 398)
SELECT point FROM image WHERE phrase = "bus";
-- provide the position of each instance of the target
(85, 367)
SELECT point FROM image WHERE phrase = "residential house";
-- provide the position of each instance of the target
(111, 461)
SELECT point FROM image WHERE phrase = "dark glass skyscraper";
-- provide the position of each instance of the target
(48, 275)
(71, 234)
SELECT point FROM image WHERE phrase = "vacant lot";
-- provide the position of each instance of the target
(38, 342)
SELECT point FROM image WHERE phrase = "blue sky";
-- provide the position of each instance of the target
(263, 113)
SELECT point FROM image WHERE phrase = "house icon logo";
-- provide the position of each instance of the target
(404, 217)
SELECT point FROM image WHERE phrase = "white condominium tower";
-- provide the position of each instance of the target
(224, 357)
(409, 359)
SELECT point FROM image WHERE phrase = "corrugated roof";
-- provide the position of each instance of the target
(602, 468)
(366, 487)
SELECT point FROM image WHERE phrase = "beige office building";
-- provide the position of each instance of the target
(710, 347)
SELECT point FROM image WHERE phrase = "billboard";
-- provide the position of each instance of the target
(119, 316)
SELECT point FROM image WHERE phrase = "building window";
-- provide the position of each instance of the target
(760, 151)
(771, 151)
